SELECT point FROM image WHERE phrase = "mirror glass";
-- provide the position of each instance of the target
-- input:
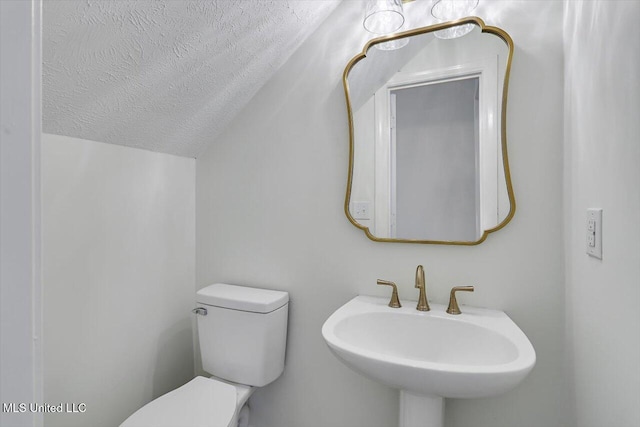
(428, 136)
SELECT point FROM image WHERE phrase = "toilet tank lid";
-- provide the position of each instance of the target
(242, 298)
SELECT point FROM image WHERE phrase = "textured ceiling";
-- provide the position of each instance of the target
(163, 75)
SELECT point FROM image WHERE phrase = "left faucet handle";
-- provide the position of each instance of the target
(395, 301)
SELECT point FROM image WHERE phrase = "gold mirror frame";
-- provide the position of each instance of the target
(503, 131)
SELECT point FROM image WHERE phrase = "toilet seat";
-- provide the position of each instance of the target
(202, 402)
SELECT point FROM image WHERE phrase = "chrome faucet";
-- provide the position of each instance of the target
(423, 305)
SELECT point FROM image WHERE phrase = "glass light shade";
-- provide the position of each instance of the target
(450, 10)
(383, 16)
(393, 44)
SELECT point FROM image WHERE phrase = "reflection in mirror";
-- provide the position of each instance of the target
(428, 150)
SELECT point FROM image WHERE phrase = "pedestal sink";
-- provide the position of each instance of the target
(430, 355)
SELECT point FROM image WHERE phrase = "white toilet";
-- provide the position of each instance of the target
(243, 333)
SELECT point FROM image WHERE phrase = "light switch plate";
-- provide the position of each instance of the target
(594, 233)
(361, 210)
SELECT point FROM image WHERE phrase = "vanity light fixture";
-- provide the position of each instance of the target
(383, 16)
(451, 10)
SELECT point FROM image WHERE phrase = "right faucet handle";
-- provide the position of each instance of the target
(453, 303)
(395, 301)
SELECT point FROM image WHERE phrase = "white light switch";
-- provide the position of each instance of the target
(594, 233)
(361, 210)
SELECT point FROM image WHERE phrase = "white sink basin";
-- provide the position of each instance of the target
(475, 354)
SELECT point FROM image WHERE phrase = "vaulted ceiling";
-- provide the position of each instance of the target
(164, 75)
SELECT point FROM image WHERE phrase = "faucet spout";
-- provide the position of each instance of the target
(423, 305)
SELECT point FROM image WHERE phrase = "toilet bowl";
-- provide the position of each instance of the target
(202, 402)
(242, 333)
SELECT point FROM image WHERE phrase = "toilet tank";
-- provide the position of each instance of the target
(243, 334)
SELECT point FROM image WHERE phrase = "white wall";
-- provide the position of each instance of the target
(20, 287)
(118, 276)
(602, 108)
(270, 195)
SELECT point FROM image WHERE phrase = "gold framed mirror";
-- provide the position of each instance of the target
(427, 135)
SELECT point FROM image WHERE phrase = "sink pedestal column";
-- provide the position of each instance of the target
(421, 411)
